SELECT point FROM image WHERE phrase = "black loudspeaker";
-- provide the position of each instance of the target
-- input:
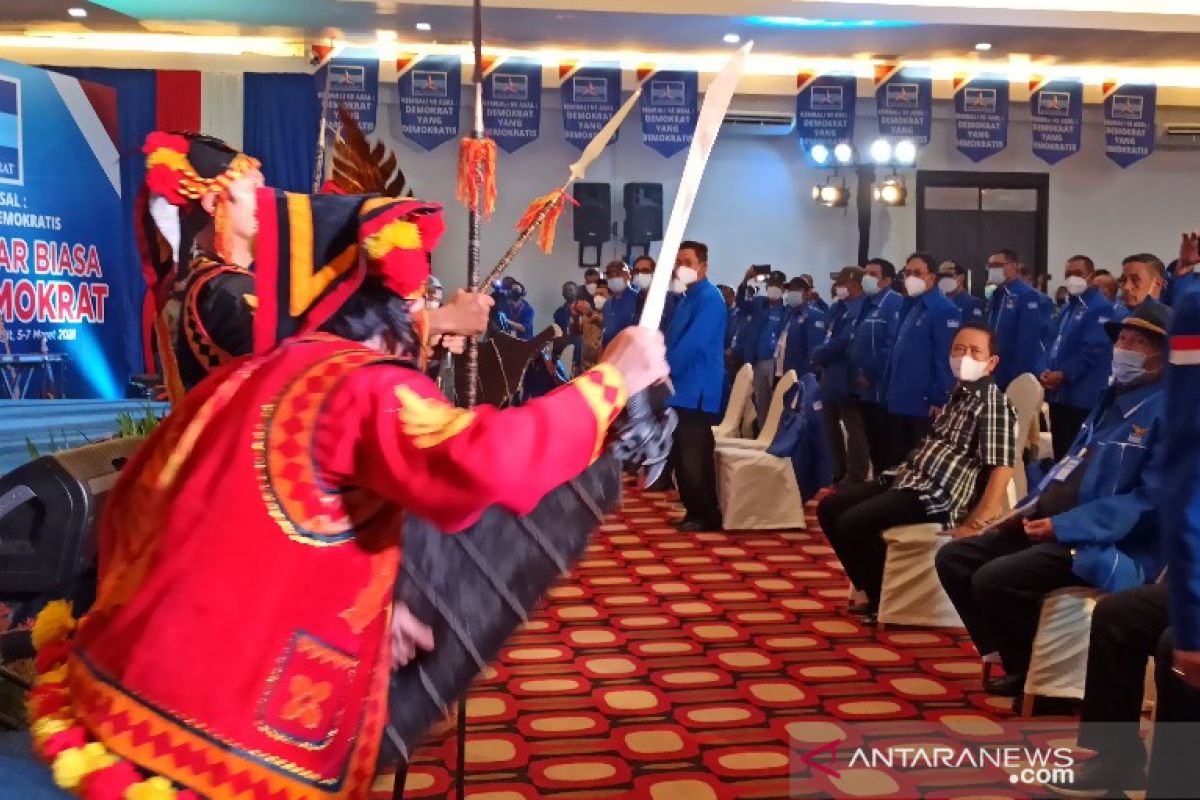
(643, 213)
(49, 510)
(593, 217)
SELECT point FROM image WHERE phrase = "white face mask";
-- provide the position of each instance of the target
(1075, 285)
(1128, 366)
(948, 285)
(988, 291)
(967, 369)
(914, 286)
(996, 275)
(774, 293)
(793, 299)
(870, 284)
(841, 292)
(591, 288)
(642, 280)
(686, 275)
(600, 301)
(616, 284)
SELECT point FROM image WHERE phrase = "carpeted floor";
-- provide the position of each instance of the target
(689, 666)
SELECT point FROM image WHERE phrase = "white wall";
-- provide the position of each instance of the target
(755, 203)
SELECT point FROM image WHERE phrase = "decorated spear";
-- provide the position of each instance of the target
(324, 54)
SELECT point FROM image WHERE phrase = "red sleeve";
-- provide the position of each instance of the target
(389, 429)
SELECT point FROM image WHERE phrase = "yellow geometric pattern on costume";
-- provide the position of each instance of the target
(399, 234)
(307, 284)
(429, 421)
(603, 388)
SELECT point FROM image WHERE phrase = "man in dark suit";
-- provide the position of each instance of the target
(695, 352)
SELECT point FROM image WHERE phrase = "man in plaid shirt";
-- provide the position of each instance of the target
(938, 480)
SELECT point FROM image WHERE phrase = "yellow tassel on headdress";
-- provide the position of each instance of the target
(71, 766)
(154, 788)
(477, 174)
(53, 624)
(556, 200)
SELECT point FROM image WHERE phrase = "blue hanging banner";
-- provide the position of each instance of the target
(904, 100)
(512, 101)
(1057, 109)
(430, 98)
(670, 104)
(980, 115)
(825, 106)
(1129, 114)
(353, 84)
(591, 96)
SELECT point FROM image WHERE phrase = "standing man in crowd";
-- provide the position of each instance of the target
(805, 330)
(1143, 277)
(766, 321)
(919, 379)
(1093, 521)
(1184, 275)
(850, 454)
(870, 350)
(1081, 356)
(1104, 280)
(1018, 319)
(621, 310)
(952, 280)
(567, 321)
(591, 281)
(816, 298)
(694, 353)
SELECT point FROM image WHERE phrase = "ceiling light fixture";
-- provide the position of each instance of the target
(905, 152)
(424, 26)
(77, 12)
(820, 154)
(844, 153)
(159, 43)
(881, 151)
(983, 47)
(731, 38)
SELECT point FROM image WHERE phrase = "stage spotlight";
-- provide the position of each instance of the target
(891, 192)
(819, 153)
(831, 195)
(881, 151)
(844, 153)
(905, 152)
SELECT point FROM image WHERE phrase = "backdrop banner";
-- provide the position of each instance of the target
(980, 115)
(1129, 115)
(354, 85)
(512, 101)
(591, 95)
(825, 107)
(904, 101)
(670, 104)
(430, 98)
(1057, 108)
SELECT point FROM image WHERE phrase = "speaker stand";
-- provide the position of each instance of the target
(631, 246)
(583, 249)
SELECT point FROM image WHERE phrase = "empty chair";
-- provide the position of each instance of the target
(741, 399)
(770, 426)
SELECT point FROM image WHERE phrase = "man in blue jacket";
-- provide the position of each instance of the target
(805, 329)
(1081, 356)
(695, 353)
(1017, 317)
(1184, 271)
(919, 379)
(870, 349)
(850, 454)
(621, 310)
(767, 319)
(952, 280)
(1093, 521)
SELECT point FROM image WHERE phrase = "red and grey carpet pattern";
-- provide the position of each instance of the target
(678, 666)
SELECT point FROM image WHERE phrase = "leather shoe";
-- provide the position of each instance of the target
(862, 609)
(695, 526)
(1005, 686)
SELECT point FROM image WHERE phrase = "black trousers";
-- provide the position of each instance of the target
(1126, 629)
(997, 582)
(1065, 424)
(854, 519)
(852, 460)
(692, 464)
(880, 442)
(907, 433)
(1174, 768)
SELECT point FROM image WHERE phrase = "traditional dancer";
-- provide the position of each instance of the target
(315, 449)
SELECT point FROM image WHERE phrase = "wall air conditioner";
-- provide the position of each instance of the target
(758, 123)
(1179, 136)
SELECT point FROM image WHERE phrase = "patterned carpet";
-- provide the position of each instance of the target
(690, 666)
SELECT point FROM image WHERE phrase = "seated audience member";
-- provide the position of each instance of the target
(1017, 317)
(919, 380)
(1143, 277)
(940, 478)
(851, 458)
(766, 321)
(591, 325)
(1091, 522)
(952, 280)
(805, 330)
(512, 314)
(870, 350)
(1106, 282)
(565, 319)
(621, 310)
(1081, 356)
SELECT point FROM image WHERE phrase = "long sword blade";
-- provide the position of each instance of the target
(708, 125)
